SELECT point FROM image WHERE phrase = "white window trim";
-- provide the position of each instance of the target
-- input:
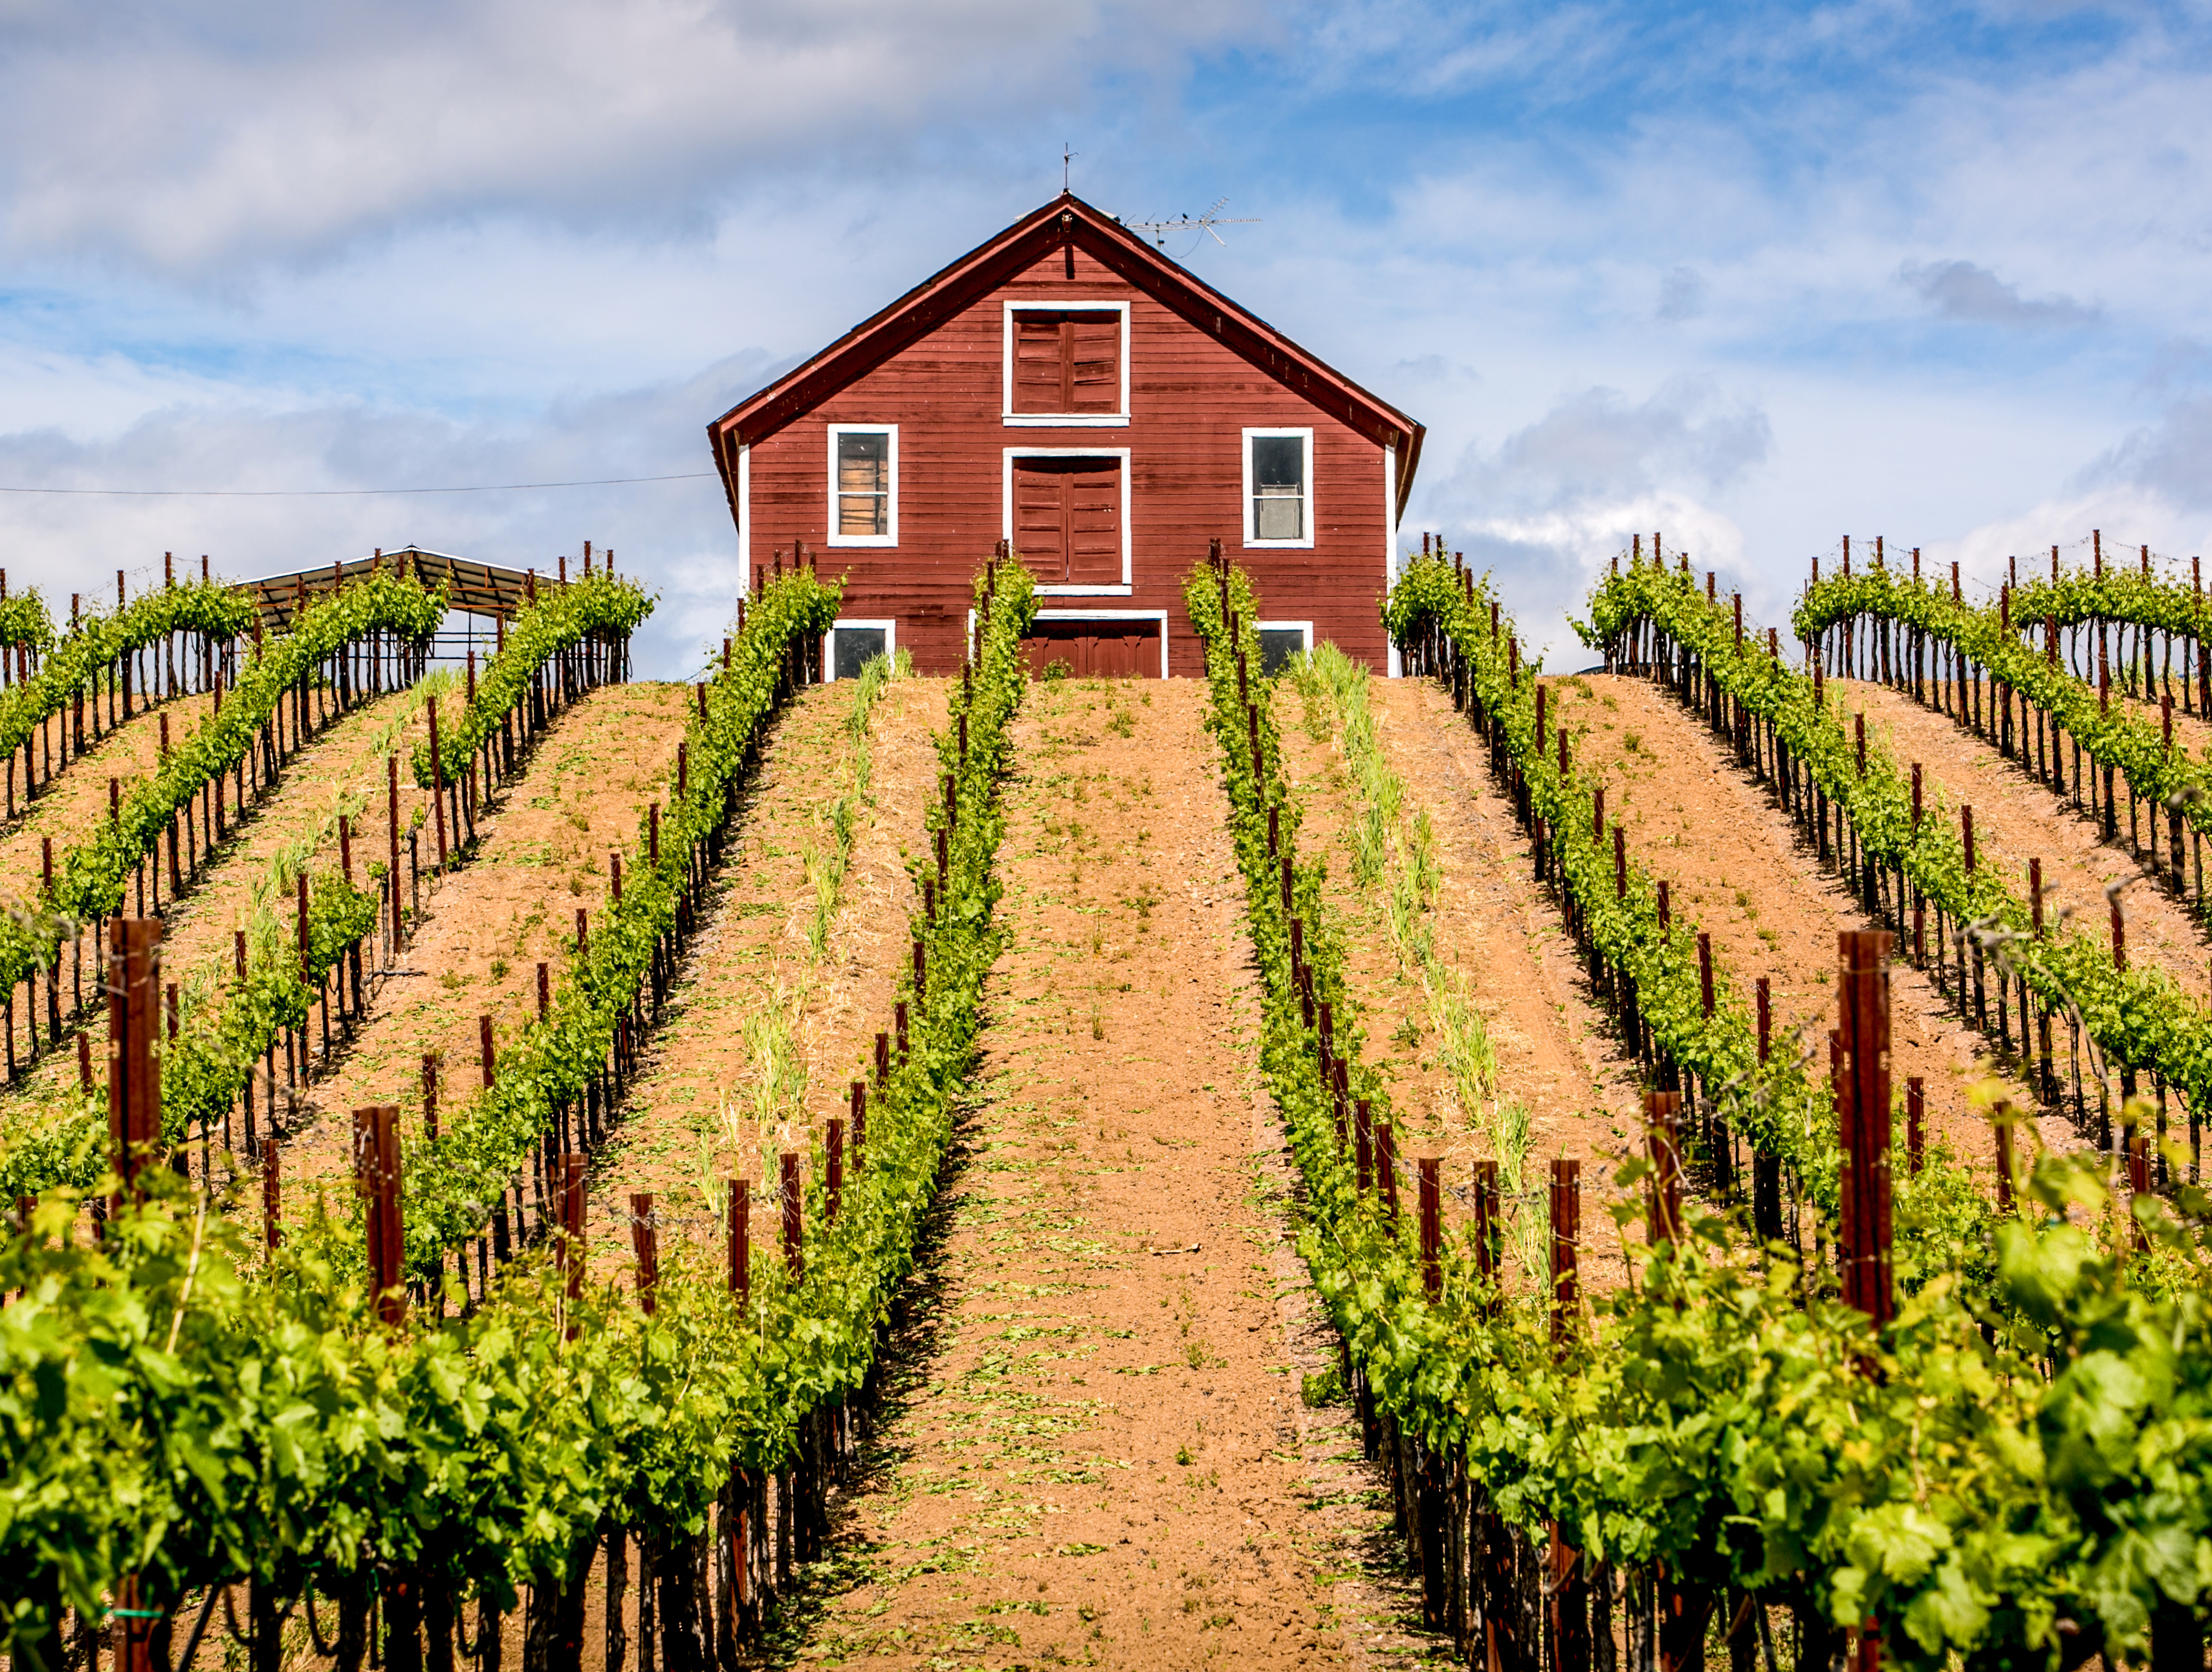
(1014, 420)
(1250, 539)
(1394, 664)
(1159, 615)
(1304, 629)
(889, 625)
(744, 519)
(1070, 589)
(891, 506)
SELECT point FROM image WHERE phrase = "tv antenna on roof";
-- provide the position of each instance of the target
(1205, 223)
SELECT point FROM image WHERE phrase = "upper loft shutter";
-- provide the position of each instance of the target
(1036, 363)
(1067, 360)
(1094, 355)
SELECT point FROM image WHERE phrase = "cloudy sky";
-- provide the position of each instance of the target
(1755, 275)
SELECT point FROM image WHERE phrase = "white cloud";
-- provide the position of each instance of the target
(186, 138)
(676, 534)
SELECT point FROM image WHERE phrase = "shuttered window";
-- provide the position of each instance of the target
(1068, 520)
(863, 484)
(1067, 360)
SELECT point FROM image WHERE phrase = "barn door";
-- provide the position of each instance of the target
(1068, 520)
(1067, 361)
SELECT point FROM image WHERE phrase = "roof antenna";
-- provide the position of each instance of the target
(1205, 223)
(1066, 157)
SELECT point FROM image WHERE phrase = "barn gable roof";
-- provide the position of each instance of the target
(1037, 234)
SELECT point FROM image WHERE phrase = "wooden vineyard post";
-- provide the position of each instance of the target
(859, 1118)
(134, 1077)
(1916, 1114)
(1386, 1169)
(2139, 1184)
(437, 782)
(740, 1238)
(572, 1232)
(272, 1191)
(795, 1247)
(1489, 1228)
(2001, 1121)
(1566, 1210)
(391, 859)
(645, 1241)
(1863, 1231)
(1569, 1591)
(1662, 1140)
(376, 1165)
(430, 1094)
(486, 1053)
(1430, 1171)
(833, 1151)
(1766, 1165)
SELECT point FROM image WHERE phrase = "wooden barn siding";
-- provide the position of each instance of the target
(1190, 400)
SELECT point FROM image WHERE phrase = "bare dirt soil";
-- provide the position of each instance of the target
(75, 804)
(542, 853)
(1734, 863)
(1494, 929)
(1097, 1451)
(702, 1109)
(342, 770)
(2017, 819)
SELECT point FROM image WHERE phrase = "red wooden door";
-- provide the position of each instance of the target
(1095, 650)
(1068, 520)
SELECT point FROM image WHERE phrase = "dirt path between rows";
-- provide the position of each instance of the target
(1496, 930)
(542, 854)
(342, 769)
(691, 1120)
(1095, 1452)
(2017, 819)
(72, 807)
(1735, 863)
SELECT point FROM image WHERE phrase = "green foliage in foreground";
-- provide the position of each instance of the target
(171, 1403)
(1712, 1415)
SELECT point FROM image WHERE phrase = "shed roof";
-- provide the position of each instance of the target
(481, 589)
(1065, 218)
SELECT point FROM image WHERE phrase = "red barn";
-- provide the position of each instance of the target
(1069, 389)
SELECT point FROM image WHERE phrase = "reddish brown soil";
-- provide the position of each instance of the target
(342, 770)
(75, 804)
(2017, 819)
(542, 853)
(1097, 1454)
(690, 1119)
(1735, 864)
(1493, 928)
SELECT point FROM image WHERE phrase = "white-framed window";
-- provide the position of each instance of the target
(863, 485)
(1280, 641)
(850, 645)
(1278, 487)
(1066, 514)
(1067, 363)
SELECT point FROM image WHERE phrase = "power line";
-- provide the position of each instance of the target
(346, 493)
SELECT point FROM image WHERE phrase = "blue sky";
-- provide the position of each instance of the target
(1755, 275)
